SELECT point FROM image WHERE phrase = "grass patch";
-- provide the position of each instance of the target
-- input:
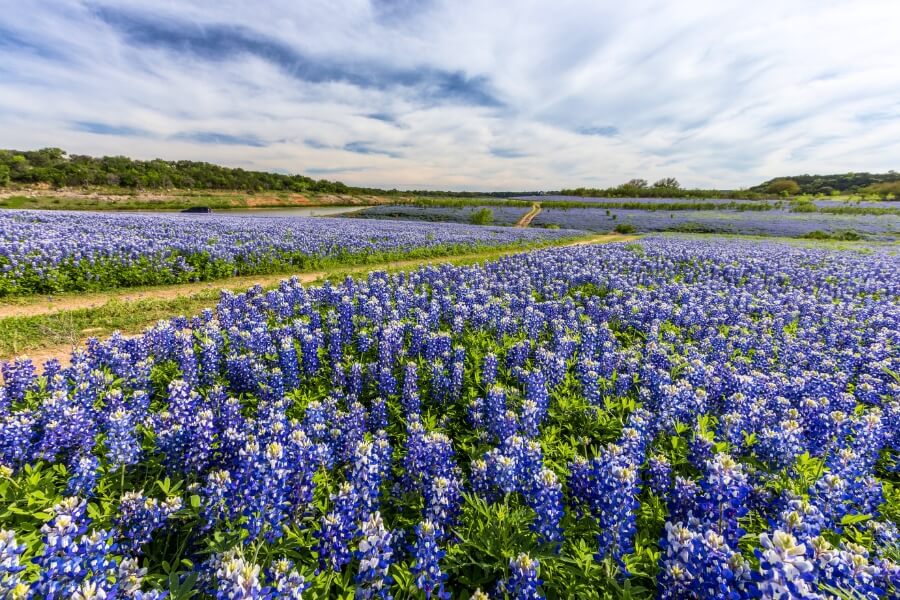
(21, 335)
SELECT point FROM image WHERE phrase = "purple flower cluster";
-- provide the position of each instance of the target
(53, 251)
(730, 407)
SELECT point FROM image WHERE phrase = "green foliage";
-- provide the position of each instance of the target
(847, 235)
(847, 183)
(483, 216)
(625, 228)
(55, 167)
(668, 183)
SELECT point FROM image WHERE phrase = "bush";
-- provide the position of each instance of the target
(483, 216)
(625, 228)
(786, 187)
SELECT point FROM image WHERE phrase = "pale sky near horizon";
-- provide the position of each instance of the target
(462, 94)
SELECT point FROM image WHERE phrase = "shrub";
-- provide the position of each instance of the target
(483, 216)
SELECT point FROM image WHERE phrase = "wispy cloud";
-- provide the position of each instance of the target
(368, 148)
(460, 94)
(508, 153)
(334, 170)
(216, 138)
(602, 131)
(107, 129)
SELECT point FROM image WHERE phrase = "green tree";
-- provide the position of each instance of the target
(667, 182)
(4, 175)
(787, 187)
(637, 183)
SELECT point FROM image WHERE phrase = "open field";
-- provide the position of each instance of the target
(620, 420)
(51, 327)
(45, 252)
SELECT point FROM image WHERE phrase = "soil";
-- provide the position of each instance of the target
(526, 219)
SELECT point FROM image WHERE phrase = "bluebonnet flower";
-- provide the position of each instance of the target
(726, 489)
(442, 501)
(19, 377)
(72, 559)
(427, 558)
(523, 582)
(371, 464)
(67, 425)
(615, 504)
(289, 363)
(545, 498)
(238, 578)
(286, 581)
(489, 371)
(537, 401)
(659, 475)
(409, 396)
(338, 528)
(375, 557)
(501, 423)
(784, 569)
(122, 445)
(85, 473)
(140, 517)
(11, 584)
(378, 415)
(309, 348)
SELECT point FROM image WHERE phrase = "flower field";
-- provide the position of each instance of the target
(774, 223)
(44, 252)
(502, 215)
(669, 418)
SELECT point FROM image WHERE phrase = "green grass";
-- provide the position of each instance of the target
(21, 335)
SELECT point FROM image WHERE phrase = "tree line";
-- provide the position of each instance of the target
(55, 167)
(847, 183)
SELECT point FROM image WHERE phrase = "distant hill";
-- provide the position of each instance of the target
(847, 183)
(56, 167)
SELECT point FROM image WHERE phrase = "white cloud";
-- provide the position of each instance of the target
(466, 94)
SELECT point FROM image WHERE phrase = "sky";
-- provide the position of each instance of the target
(462, 94)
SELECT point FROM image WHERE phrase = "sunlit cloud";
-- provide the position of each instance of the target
(463, 94)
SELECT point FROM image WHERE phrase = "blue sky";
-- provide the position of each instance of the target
(463, 94)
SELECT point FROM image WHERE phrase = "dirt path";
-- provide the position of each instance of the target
(528, 217)
(63, 352)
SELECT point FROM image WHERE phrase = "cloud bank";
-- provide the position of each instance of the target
(463, 94)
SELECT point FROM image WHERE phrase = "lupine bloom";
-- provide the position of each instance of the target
(785, 570)
(11, 585)
(122, 445)
(338, 528)
(19, 377)
(545, 498)
(375, 558)
(286, 581)
(781, 355)
(523, 582)
(139, 517)
(84, 476)
(239, 578)
(428, 555)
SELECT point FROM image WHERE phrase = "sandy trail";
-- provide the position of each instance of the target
(528, 217)
(238, 284)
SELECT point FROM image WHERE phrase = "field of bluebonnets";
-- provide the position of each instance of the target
(815, 218)
(47, 252)
(668, 418)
